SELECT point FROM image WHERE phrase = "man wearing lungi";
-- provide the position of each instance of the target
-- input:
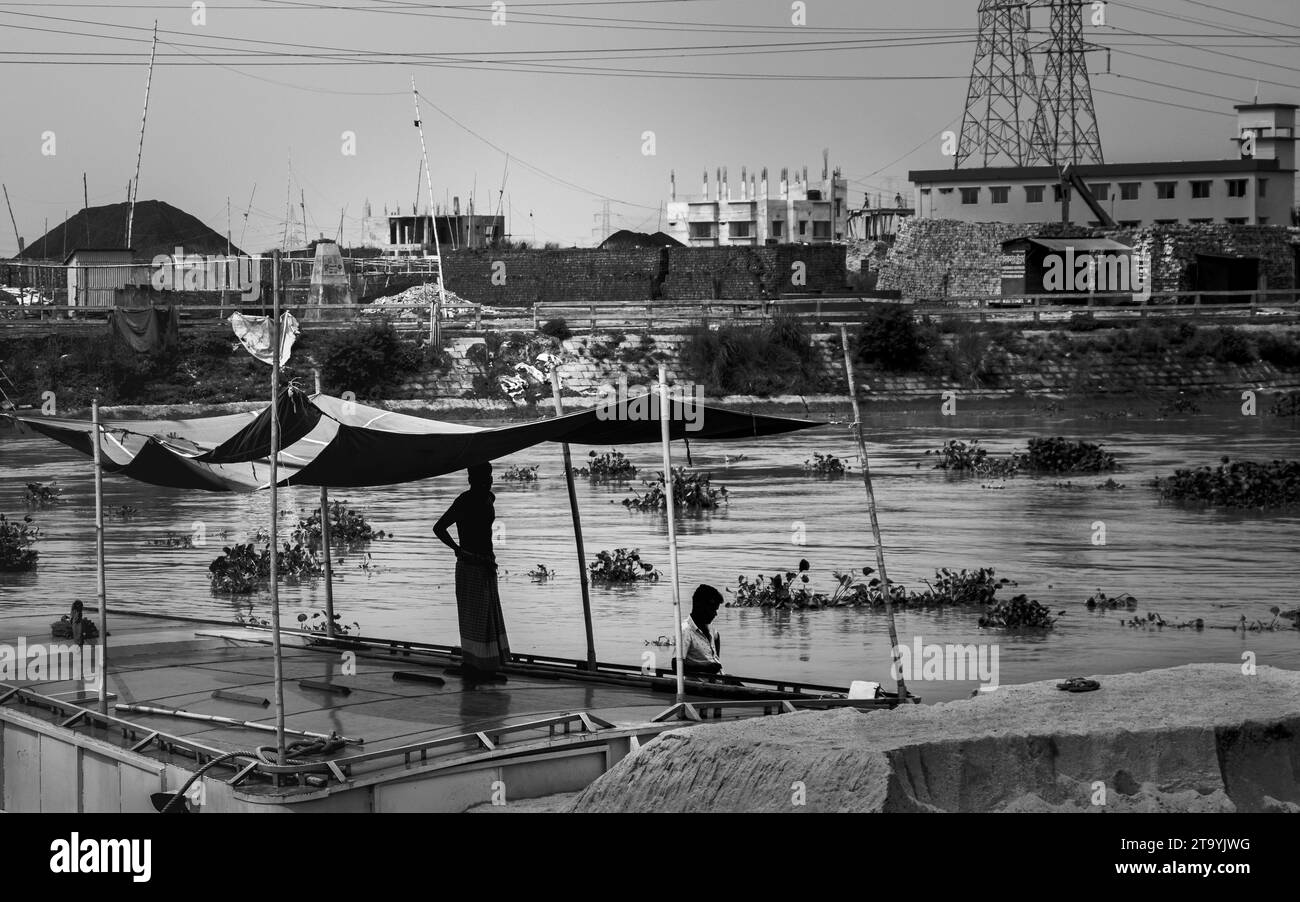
(484, 647)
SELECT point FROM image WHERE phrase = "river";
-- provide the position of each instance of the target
(1182, 563)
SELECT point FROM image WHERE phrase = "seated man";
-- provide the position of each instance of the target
(700, 646)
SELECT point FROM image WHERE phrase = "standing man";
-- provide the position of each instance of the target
(483, 642)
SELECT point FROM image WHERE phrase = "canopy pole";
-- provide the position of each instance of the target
(665, 418)
(871, 510)
(276, 651)
(325, 546)
(100, 591)
(577, 529)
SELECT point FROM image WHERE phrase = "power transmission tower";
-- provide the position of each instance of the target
(1065, 127)
(1003, 93)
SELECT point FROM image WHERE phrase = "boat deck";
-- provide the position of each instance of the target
(392, 724)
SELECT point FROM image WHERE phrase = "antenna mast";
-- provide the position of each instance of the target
(433, 220)
(135, 190)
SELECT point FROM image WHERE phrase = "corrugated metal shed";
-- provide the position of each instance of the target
(94, 274)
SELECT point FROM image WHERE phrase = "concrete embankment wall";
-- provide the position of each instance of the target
(1032, 365)
(1201, 737)
(939, 258)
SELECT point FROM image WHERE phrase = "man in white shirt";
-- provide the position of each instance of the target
(701, 646)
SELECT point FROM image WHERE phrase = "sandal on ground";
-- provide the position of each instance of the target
(1079, 684)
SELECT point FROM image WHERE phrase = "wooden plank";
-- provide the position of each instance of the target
(231, 696)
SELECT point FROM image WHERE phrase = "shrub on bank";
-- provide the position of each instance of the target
(775, 357)
(370, 359)
(17, 538)
(890, 338)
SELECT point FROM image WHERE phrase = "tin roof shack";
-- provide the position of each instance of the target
(94, 274)
(1101, 268)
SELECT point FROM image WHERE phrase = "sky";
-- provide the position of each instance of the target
(559, 106)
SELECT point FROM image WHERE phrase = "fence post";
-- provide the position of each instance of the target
(649, 316)
(478, 317)
(535, 325)
(593, 319)
(1254, 299)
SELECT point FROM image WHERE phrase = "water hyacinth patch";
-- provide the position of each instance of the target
(317, 622)
(609, 466)
(347, 527)
(243, 569)
(520, 474)
(42, 495)
(825, 465)
(1242, 484)
(1107, 603)
(691, 491)
(623, 565)
(1020, 612)
(16, 540)
(1054, 456)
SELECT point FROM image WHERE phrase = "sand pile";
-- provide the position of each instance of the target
(420, 294)
(1201, 737)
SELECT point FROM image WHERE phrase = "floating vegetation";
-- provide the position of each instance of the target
(623, 565)
(1110, 485)
(243, 569)
(1153, 621)
(1108, 603)
(781, 591)
(318, 622)
(1055, 456)
(609, 465)
(174, 540)
(17, 538)
(1060, 455)
(691, 491)
(825, 465)
(124, 512)
(1286, 406)
(662, 641)
(1021, 612)
(347, 527)
(520, 474)
(42, 495)
(1180, 405)
(1236, 484)
(1281, 621)
(541, 573)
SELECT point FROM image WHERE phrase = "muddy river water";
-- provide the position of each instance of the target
(1182, 563)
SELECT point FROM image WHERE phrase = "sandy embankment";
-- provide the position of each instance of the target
(1201, 737)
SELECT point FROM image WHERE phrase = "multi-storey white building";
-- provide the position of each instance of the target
(1255, 188)
(750, 214)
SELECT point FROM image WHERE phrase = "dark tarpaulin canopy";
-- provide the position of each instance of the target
(326, 441)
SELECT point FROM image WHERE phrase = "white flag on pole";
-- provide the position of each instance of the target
(254, 333)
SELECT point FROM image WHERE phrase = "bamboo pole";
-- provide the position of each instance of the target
(665, 417)
(100, 589)
(325, 547)
(871, 510)
(441, 303)
(139, 154)
(577, 529)
(275, 506)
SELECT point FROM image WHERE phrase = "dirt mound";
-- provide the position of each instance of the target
(1202, 737)
(158, 228)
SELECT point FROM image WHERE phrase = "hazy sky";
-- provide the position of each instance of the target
(567, 90)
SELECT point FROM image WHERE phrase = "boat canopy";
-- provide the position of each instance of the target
(329, 441)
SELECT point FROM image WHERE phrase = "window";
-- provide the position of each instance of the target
(1235, 220)
(1166, 222)
(1130, 223)
(777, 226)
(740, 230)
(1200, 190)
(945, 191)
(1263, 184)
(970, 195)
(1200, 221)
(1237, 187)
(1100, 191)
(1263, 220)
(821, 229)
(1033, 194)
(925, 192)
(837, 208)
(702, 230)
(1130, 190)
(803, 227)
(1166, 190)
(1056, 193)
(1000, 195)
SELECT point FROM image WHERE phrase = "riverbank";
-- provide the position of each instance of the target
(1201, 737)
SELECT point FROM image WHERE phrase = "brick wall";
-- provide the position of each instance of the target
(938, 258)
(586, 275)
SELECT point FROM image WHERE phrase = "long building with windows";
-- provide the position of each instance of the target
(747, 213)
(1255, 188)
